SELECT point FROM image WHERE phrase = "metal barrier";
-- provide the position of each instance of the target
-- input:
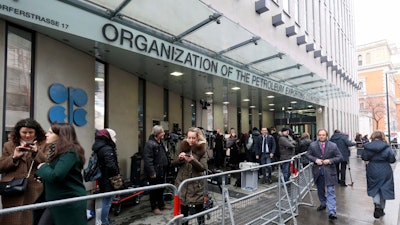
(276, 204)
(84, 198)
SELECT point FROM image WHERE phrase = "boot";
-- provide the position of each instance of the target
(378, 212)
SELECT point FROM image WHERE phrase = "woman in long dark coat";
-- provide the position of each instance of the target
(380, 184)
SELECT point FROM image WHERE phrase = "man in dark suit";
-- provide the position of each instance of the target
(265, 153)
(325, 154)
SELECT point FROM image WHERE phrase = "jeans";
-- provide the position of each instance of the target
(265, 159)
(286, 170)
(103, 206)
(328, 197)
(378, 200)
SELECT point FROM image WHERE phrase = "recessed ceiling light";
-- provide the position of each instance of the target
(225, 103)
(246, 100)
(293, 102)
(271, 109)
(271, 104)
(270, 96)
(289, 107)
(252, 106)
(209, 93)
(235, 88)
(176, 74)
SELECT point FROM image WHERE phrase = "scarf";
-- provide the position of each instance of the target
(52, 149)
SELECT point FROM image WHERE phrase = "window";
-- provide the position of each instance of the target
(99, 96)
(141, 113)
(18, 77)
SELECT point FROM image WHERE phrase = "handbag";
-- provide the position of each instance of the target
(16, 186)
(116, 182)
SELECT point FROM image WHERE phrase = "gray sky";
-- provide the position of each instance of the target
(377, 20)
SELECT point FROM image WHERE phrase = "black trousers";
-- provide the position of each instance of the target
(341, 171)
(193, 209)
(156, 195)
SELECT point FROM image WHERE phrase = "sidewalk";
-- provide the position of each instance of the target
(354, 207)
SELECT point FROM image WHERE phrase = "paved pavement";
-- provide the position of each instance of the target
(354, 207)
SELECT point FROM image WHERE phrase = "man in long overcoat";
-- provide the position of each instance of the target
(325, 154)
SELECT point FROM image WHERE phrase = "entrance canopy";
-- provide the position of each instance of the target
(268, 78)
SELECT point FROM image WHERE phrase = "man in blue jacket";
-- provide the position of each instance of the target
(325, 154)
(343, 143)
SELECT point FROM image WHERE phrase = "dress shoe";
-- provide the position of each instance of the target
(321, 207)
(332, 217)
(166, 207)
(157, 212)
(343, 185)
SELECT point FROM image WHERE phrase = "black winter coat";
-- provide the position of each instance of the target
(155, 158)
(108, 161)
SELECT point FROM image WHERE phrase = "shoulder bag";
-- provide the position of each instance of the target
(16, 186)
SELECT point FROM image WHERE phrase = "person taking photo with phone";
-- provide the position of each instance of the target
(26, 149)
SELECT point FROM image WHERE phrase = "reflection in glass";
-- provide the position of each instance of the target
(99, 96)
(18, 76)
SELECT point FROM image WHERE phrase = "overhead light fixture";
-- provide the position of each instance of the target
(209, 93)
(225, 103)
(176, 74)
(99, 79)
(246, 100)
(289, 107)
(252, 106)
(293, 102)
(235, 88)
(310, 106)
(271, 109)
(271, 104)
(270, 96)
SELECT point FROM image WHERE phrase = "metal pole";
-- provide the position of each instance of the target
(387, 106)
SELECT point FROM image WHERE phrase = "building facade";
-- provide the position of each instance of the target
(380, 92)
(129, 65)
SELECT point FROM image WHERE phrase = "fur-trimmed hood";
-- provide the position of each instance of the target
(198, 149)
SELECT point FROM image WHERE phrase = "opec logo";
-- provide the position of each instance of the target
(75, 97)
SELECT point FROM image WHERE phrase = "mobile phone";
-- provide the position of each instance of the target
(24, 149)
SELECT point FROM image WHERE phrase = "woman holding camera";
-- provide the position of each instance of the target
(26, 149)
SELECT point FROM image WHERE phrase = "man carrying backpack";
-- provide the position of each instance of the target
(265, 153)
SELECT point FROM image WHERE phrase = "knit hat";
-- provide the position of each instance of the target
(285, 129)
(112, 134)
(107, 133)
